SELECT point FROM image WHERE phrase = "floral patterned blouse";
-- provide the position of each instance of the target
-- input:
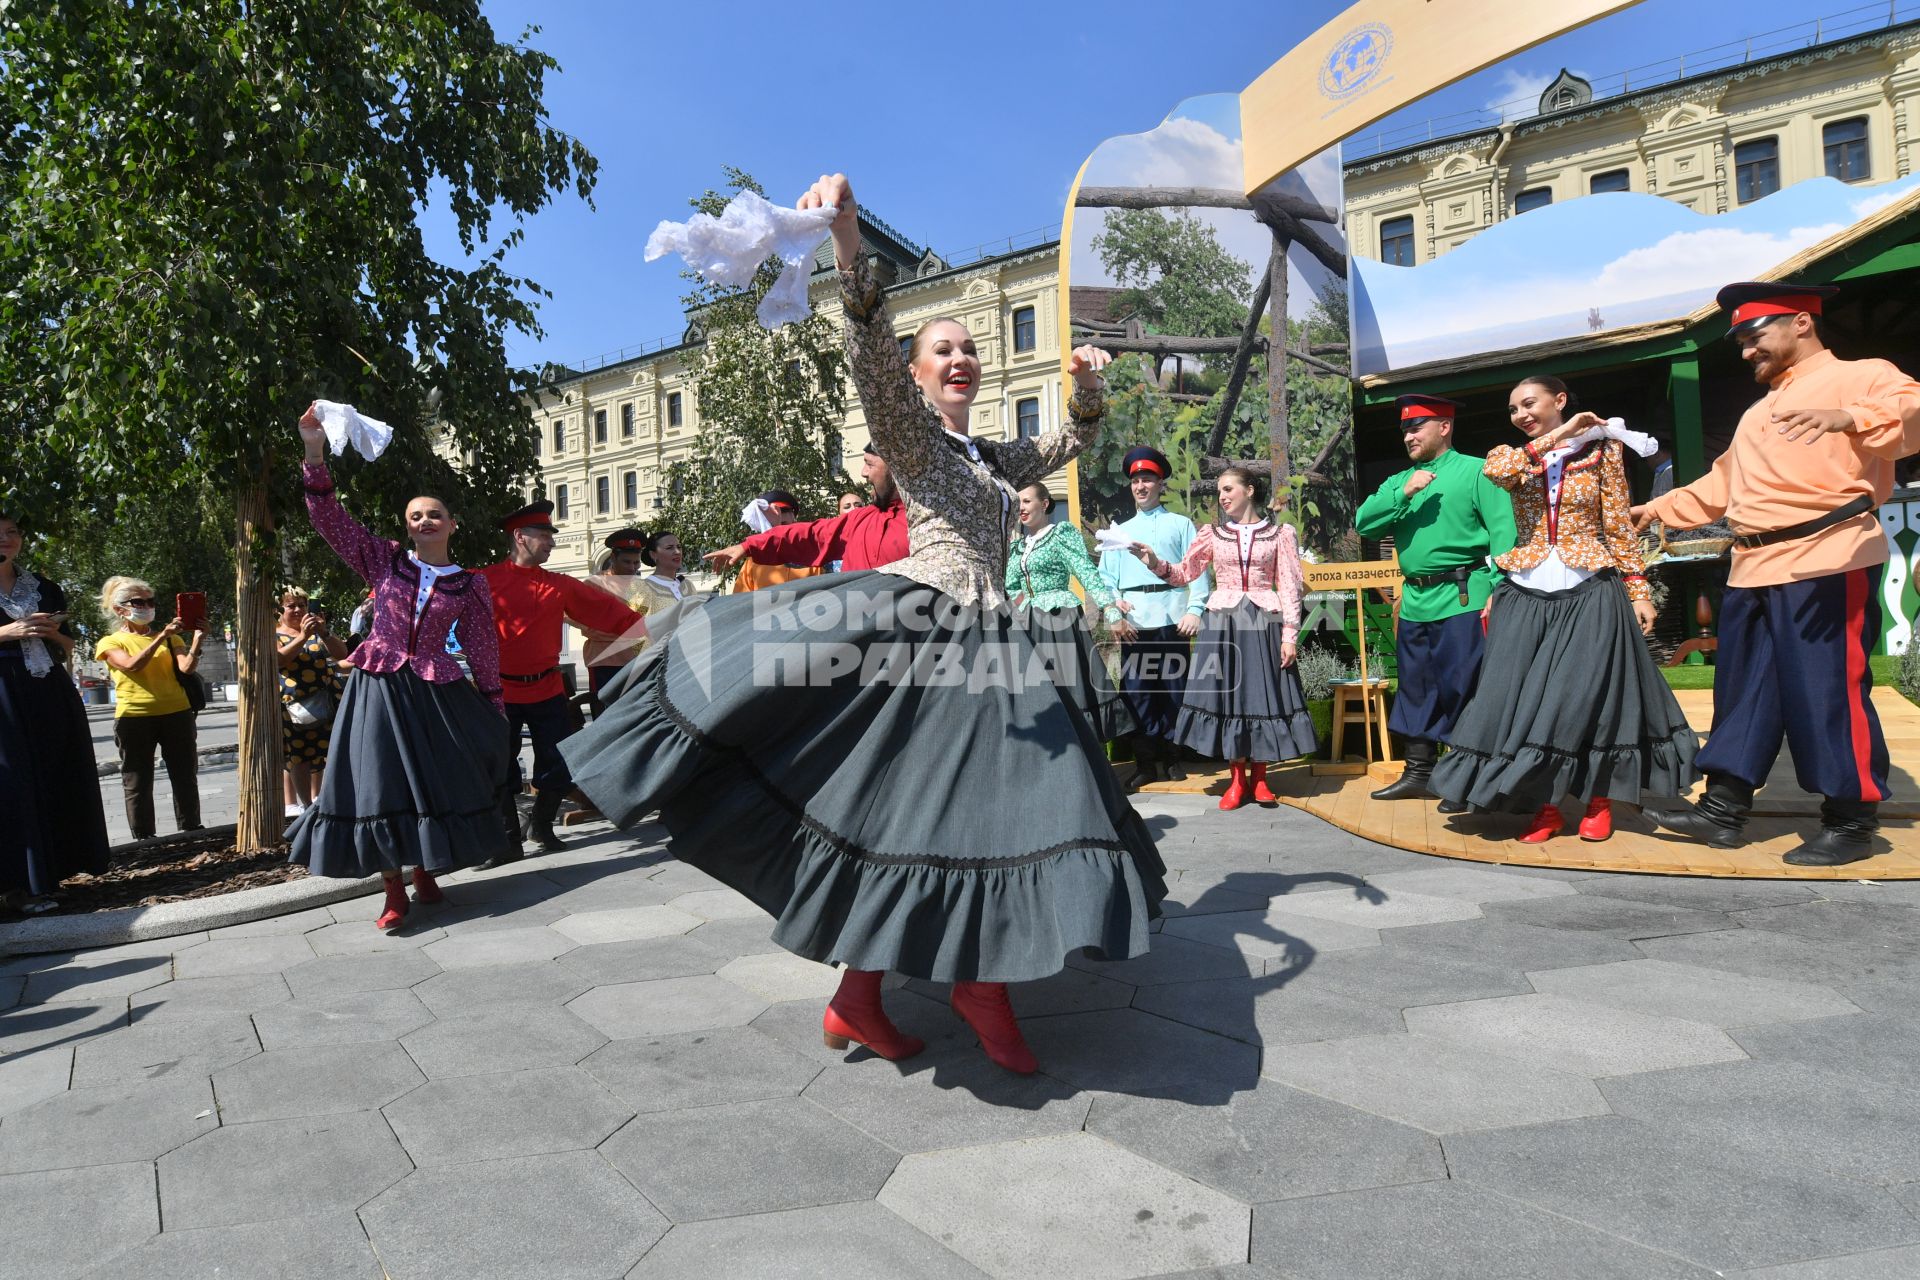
(1587, 518)
(961, 514)
(1040, 566)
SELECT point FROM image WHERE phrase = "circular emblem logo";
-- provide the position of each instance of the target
(1356, 60)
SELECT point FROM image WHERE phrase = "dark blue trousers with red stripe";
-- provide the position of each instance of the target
(1792, 665)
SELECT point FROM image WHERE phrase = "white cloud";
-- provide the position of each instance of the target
(1517, 95)
(1184, 153)
(1873, 204)
(1697, 259)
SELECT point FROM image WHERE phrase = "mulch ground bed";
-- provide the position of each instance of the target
(152, 872)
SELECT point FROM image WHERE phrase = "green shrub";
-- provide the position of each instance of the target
(1319, 668)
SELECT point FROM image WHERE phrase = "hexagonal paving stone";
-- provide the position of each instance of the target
(607, 963)
(243, 955)
(500, 946)
(34, 1077)
(511, 1113)
(1378, 909)
(154, 1051)
(358, 1017)
(280, 1169)
(747, 1157)
(33, 1026)
(325, 1248)
(846, 1241)
(314, 1080)
(1617, 917)
(358, 937)
(509, 1038)
(1712, 996)
(1126, 1051)
(199, 997)
(1172, 959)
(970, 1101)
(110, 1125)
(1574, 1036)
(477, 990)
(1264, 1011)
(627, 924)
(1432, 1084)
(718, 904)
(781, 976)
(745, 936)
(338, 975)
(1071, 1206)
(672, 1004)
(1272, 1143)
(62, 1222)
(102, 981)
(560, 1216)
(1470, 884)
(1270, 934)
(1402, 977)
(699, 1069)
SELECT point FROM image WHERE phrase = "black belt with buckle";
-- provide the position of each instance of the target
(1460, 576)
(533, 679)
(1839, 515)
(1154, 586)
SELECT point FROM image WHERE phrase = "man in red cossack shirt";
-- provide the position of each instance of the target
(529, 605)
(866, 537)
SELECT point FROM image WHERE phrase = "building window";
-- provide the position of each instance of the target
(626, 422)
(559, 502)
(1396, 242)
(1532, 198)
(602, 495)
(1023, 338)
(1027, 414)
(1756, 169)
(906, 348)
(673, 408)
(630, 490)
(1611, 180)
(1846, 144)
(559, 438)
(599, 426)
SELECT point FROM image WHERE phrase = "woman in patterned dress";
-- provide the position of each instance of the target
(1041, 568)
(308, 680)
(862, 754)
(1569, 701)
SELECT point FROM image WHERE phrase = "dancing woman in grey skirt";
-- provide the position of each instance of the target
(1569, 701)
(1244, 702)
(419, 764)
(871, 757)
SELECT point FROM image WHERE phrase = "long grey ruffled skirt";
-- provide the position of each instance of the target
(889, 776)
(1241, 704)
(1569, 704)
(415, 777)
(1063, 639)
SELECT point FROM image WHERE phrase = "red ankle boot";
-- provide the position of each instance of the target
(1262, 793)
(1598, 824)
(1546, 825)
(854, 1016)
(985, 1007)
(395, 913)
(1236, 788)
(425, 888)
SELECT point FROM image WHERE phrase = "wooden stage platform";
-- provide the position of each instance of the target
(1783, 815)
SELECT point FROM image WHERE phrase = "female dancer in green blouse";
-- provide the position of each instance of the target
(1041, 565)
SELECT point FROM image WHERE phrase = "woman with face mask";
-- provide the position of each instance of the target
(874, 758)
(150, 707)
(54, 824)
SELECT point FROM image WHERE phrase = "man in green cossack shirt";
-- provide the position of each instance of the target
(1447, 522)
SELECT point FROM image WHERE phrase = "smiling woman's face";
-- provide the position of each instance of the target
(947, 367)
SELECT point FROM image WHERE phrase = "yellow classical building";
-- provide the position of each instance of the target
(1848, 108)
(610, 435)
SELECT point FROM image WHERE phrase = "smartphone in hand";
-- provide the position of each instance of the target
(190, 608)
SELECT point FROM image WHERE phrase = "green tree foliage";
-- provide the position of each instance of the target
(213, 217)
(1175, 275)
(770, 406)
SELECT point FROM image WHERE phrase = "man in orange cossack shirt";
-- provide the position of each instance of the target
(1808, 464)
(530, 604)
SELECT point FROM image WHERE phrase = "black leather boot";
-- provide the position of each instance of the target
(1412, 784)
(546, 807)
(1719, 820)
(1146, 767)
(510, 819)
(1846, 835)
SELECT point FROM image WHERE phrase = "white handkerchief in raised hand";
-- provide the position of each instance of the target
(728, 249)
(345, 426)
(1111, 539)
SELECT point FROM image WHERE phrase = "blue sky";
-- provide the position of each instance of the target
(958, 124)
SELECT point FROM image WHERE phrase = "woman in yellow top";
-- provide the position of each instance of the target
(770, 510)
(150, 705)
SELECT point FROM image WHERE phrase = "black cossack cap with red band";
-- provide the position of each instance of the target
(1421, 408)
(1754, 302)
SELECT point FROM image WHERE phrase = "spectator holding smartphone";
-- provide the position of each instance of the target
(309, 694)
(55, 826)
(150, 705)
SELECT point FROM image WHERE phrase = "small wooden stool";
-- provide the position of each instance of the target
(1350, 706)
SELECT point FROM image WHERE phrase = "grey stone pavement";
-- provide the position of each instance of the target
(1339, 1060)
